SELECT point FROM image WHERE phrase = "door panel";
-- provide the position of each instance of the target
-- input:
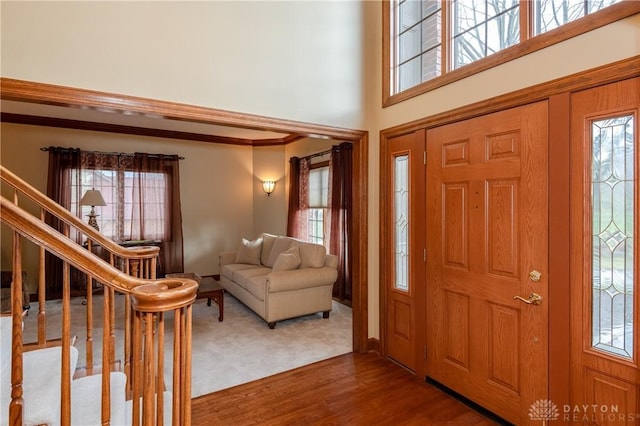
(605, 299)
(487, 228)
(404, 263)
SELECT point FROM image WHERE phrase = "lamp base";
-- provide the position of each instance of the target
(93, 222)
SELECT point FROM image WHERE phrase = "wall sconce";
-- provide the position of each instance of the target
(93, 198)
(268, 186)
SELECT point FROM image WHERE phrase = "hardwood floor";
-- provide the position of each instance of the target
(351, 389)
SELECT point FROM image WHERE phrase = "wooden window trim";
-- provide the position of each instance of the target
(596, 20)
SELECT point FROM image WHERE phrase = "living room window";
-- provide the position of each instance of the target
(318, 197)
(430, 43)
(121, 191)
(142, 196)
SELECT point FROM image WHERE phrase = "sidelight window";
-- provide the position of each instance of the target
(613, 216)
(401, 222)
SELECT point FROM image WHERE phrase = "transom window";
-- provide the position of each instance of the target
(428, 39)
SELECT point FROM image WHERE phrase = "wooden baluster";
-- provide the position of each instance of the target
(89, 340)
(65, 388)
(186, 362)
(106, 357)
(127, 342)
(112, 328)
(159, 373)
(177, 366)
(137, 368)
(16, 406)
(149, 375)
(42, 294)
(154, 266)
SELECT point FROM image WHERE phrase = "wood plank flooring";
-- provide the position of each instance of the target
(352, 389)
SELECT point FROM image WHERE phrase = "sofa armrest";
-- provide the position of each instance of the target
(301, 278)
(226, 258)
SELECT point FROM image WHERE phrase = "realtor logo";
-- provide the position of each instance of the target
(543, 409)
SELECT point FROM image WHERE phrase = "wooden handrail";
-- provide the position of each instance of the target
(60, 212)
(146, 300)
(148, 295)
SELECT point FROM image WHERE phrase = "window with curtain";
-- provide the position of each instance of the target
(142, 196)
(318, 201)
(120, 188)
(320, 208)
(427, 39)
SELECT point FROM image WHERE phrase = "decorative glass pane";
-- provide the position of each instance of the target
(613, 235)
(550, 14)
(401, 222)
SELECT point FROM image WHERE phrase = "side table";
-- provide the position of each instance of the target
(212, 290)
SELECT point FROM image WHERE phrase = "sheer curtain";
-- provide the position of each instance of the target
(142, 193)
(339, 221)
(298, 213)
(152, 198)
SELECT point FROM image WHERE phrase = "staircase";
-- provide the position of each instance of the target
(40, 382)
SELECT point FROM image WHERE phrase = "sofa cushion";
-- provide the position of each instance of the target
(253, 280)
(279, 245)
(312, 255)
(267, 246)
(249, 251)
(229, 271)
(288, 260)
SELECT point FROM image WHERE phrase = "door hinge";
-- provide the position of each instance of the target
(425, 157)
(424, 255)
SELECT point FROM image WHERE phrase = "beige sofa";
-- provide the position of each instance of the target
(280, 277)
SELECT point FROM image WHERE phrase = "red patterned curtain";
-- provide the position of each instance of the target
(297, 218)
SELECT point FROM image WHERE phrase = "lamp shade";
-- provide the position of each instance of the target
(92, 197)
(268, 186)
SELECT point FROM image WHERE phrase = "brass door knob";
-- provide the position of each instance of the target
(534, 299)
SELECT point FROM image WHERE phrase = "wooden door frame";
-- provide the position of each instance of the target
(49, 94)
(557, 94)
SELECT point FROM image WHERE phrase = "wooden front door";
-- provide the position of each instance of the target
(404, 254)
(486, 244)
(605, 296)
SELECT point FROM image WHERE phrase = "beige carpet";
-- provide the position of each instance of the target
(238, 350)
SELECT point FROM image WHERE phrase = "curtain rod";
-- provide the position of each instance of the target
(125, 154)
(318, 154)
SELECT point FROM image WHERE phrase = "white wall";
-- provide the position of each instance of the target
(269, 212)
(216, 185)
(300, 60)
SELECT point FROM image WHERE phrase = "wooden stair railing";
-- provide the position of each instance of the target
(139, 262)
(146, 302)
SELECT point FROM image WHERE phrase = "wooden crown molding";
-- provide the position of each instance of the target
(49, 94)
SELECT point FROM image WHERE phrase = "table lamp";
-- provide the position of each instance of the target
(92, 198)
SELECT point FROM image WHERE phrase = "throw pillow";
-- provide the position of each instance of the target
(287, 260)
(267, 246)
(312, 255)
(279, 245)
(249, 252)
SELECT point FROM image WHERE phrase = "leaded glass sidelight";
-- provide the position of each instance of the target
(401, 221)
(612, 186)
